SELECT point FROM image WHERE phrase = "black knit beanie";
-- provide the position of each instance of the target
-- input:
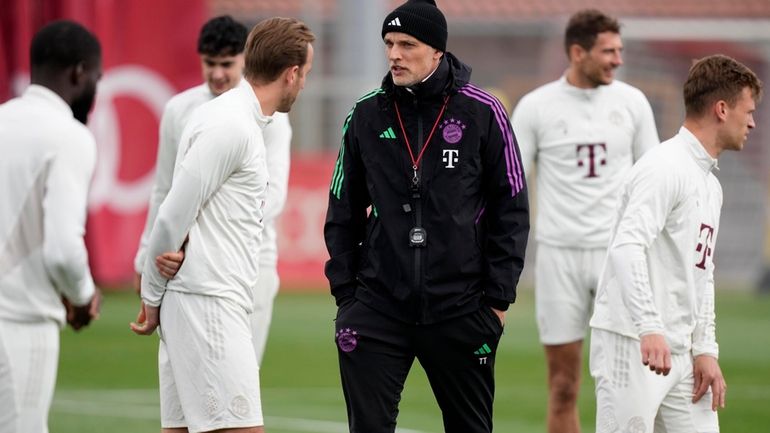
(421, 19)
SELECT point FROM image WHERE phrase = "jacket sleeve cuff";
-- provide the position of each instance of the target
(85, 294)
(497, 304)
(152, 294)
(711, 350)
(652, 329)
(343, 293)
(139, 260)
(713, 355)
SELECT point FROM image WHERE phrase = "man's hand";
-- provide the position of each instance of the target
(656, 353)
(147, 320)
(79, 317)
(707, 373)
(142, 316)
(500, 315)
(95, 306)
(168, 264)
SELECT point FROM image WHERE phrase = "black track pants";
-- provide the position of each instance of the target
(376, 353)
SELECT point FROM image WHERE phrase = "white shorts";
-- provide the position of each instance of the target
(30, 362)
(209, 376)
(264, 294)
(631, 398)
(8, 415)
(565, 285)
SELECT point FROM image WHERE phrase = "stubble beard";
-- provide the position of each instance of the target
(82, 105)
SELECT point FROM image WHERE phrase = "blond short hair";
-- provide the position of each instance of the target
(274, 45)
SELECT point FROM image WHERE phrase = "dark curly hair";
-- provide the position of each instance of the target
(61, 44)
(222, 36)
(585, 26)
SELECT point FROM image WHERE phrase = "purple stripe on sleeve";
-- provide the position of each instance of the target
(509, 164)
(515, 175)
(481, 213)
(502, 120)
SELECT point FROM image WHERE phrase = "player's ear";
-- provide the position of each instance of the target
(77, 74)
(720, 109)
(291, 74)
(576, 52)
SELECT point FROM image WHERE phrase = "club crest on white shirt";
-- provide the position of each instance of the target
(561, 125)
(616, 118)
(636, 425)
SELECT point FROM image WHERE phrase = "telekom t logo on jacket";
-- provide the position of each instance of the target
(450, 157)
(706, 236)
(591, 154)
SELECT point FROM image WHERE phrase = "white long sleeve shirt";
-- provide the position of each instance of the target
(278, 144)
(277, 137)
(216, 198)
(659, 274)
(582, 142)
(47, 159)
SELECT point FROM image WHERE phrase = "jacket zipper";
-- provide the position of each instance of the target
(418, 218)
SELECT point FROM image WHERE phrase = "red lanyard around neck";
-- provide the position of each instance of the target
(416, 162)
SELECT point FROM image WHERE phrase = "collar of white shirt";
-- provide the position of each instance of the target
(248, 93)
(37, 92)
(586, 93)
(702, 158)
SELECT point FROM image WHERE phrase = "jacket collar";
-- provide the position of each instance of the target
(42, 93)
(581, 93)
(448, 78)
(246, 92)
(697, 151)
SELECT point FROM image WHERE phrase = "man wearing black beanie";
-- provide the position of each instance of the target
(426, 230)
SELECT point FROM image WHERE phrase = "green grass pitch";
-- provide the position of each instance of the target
(108, 376)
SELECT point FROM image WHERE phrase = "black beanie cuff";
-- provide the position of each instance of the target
(419, 19)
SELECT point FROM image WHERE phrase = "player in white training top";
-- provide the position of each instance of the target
(48, 157)
(220, 46)
(653, 344)
(579, 134)
(215, 206)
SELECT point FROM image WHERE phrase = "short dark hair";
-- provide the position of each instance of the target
(61, 44)
(718, 78)
(274, 45)
(222, 36)
(585, 26)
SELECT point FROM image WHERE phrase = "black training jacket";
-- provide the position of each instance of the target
(470, 201)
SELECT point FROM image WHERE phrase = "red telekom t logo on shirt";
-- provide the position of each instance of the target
(706, 234)
(589, 154)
